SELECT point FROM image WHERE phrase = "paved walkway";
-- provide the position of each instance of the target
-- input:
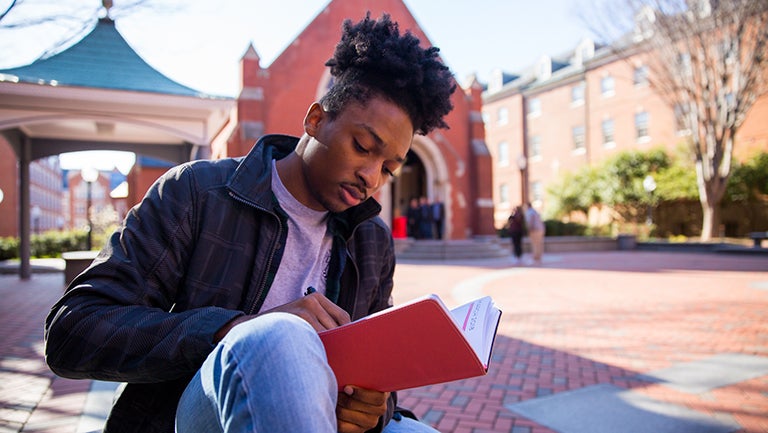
(616, 342)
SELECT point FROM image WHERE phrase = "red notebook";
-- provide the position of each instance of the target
(414, 344)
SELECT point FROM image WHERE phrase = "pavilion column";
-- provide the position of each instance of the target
(25, 157)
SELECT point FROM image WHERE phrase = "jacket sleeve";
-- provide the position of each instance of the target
(116, 320)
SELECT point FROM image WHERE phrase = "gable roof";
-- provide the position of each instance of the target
(102, 59)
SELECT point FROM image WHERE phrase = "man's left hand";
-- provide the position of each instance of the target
(359, 409)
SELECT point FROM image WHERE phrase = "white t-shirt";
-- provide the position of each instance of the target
(307, 249)
(533, 220)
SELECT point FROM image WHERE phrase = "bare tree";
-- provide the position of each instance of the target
(707, 60)
(75, 21)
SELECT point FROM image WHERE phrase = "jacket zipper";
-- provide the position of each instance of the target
(260, 291)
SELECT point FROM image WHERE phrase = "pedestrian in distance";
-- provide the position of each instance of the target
(412, 215)
(425, 219)
(535, 227)
(515, 226)
(438, 216)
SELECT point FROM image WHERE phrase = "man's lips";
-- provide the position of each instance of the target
(352, 195)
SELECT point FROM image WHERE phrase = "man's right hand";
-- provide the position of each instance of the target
(315, 308)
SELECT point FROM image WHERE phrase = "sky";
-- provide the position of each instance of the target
(199, 42)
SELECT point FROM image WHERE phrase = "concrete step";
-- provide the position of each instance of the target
(410, 249)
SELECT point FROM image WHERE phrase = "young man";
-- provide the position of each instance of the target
(200, 301)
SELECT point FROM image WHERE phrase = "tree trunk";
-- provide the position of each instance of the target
(710, 221)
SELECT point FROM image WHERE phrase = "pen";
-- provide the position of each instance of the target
(310, 290)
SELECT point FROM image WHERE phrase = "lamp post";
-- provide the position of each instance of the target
(89, 175)
(649, 185)
(522, 163)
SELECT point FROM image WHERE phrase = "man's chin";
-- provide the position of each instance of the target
(334, 206)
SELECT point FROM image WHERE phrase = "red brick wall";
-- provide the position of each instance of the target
(278, 96)
(559, 115)
(9, 174)
(753, 135)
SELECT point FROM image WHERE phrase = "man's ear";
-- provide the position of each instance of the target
(313, 119)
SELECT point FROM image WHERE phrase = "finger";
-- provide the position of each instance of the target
(337, 314)
(355, 421)
(367, 396)
(370, 406)
(348, 427)
(325, 314)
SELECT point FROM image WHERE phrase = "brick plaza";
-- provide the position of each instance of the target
(625, 341)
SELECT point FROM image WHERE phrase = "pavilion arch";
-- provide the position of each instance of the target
(54, 134)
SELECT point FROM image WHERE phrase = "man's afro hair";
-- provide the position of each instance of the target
(373, 59)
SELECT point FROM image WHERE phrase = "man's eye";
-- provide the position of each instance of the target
(389, 172)
(359, 147)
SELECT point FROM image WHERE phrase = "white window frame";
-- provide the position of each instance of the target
(503, 154)
(502, 116)
(578, 133)
(534, 107)
(642, 126)
(608, 128)
(607, 90)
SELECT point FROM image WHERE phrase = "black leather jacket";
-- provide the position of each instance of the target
(200, 249)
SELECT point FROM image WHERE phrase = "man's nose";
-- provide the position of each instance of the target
(370, 175)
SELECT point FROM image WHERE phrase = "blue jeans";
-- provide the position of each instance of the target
(268, 374)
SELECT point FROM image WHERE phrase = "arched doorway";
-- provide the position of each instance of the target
(411, 183)
(424, 174)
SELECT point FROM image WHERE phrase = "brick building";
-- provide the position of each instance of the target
(45, 193)
(453, 165)
(77, 204)
(577, 110)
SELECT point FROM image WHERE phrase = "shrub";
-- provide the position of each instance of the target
(559, 228)
(9, 248)
(48, 244)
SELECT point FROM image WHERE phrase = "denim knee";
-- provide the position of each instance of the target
(281, 332)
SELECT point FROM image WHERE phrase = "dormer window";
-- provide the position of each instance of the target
(645, 20)
(544, 68)
(584, 51)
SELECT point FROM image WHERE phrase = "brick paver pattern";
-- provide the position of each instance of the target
(577, 320)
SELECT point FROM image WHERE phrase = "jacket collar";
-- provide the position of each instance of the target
(252, 182)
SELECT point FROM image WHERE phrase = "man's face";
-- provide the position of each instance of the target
(349, 158)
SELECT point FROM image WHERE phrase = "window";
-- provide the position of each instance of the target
(640, 76)
(544, 68)
(534, 146)
(607, 86)
(577, 94)
(503, 193)
(681, 122)
(608, 130)
(503, 154)
(537, 191)
(486, 118)
(578, 138)
(641, 125)
(534, 107)
(502, 116)
(684, 64)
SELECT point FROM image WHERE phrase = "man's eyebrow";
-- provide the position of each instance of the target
(379, 142)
